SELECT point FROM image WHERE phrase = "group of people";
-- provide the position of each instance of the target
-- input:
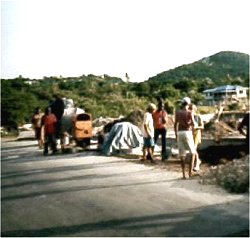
(47, 125)
(154, 125)
(188, 126)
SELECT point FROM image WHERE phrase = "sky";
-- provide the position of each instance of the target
(142, 38)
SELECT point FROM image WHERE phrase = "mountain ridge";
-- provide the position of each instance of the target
(220, 65)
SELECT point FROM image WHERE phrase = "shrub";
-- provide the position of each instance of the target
(233, 176)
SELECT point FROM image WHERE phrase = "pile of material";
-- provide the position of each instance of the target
(233, 176)
(135, 117)
(218, 130)
(223, 124)
(100, 123)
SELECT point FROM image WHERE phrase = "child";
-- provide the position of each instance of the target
(148, 133)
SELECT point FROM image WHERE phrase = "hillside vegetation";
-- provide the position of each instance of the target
(110, 96)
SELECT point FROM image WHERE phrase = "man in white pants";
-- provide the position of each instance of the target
(183, 131)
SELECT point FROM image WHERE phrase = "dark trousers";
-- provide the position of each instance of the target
(50, 141)
(58, 129)
(163, 133)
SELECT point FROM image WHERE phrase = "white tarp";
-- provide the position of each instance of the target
(123, 136)
(69, 113)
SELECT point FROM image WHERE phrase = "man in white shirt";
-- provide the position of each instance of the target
(148, 133)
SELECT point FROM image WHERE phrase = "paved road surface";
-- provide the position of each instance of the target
(86, 194)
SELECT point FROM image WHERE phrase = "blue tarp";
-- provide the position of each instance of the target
(123, 135)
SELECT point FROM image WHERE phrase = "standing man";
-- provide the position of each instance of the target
(183, 131)
(160, 121)
(48, 130)
(148, 133)
(57, 108)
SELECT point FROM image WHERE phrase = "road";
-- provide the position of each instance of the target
(87, 194)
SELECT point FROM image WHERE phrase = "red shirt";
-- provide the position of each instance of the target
(159, 119)
(49, 122)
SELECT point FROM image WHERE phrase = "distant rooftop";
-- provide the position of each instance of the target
(223, 89)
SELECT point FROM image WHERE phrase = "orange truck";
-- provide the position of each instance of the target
(82, 129)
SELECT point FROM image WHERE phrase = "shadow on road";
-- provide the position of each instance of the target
(193, 223)
(15, 174)
(79, 188)
(202, 221)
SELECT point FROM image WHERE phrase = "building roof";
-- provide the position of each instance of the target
(224, 89)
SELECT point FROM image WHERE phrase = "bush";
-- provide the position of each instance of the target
(234, 176)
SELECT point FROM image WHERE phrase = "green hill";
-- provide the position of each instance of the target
(110, 96)
(220, 68)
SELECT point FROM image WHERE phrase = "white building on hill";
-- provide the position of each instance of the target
(227, 93)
